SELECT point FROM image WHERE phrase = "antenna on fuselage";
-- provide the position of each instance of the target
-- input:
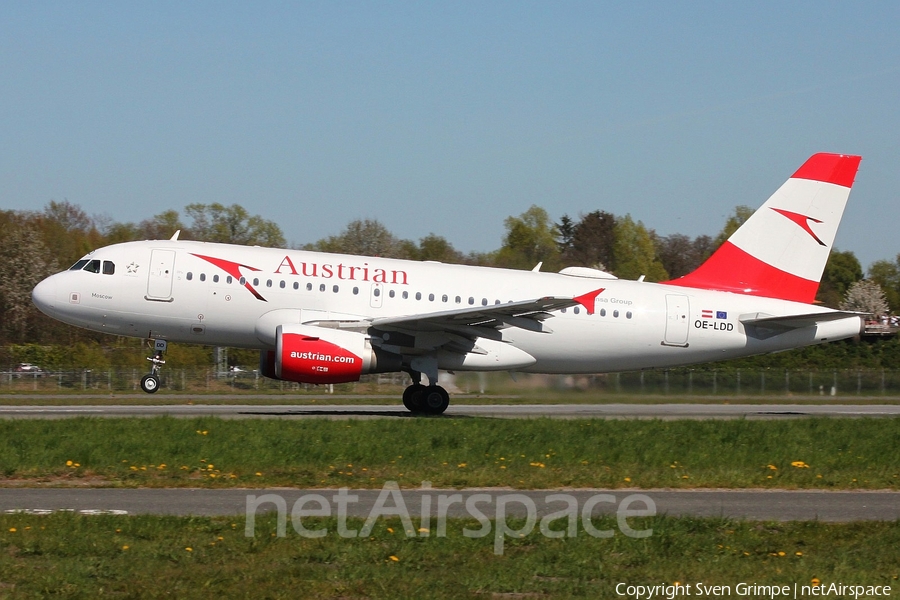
(175, 237)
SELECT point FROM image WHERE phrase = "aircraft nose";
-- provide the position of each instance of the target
(44, 295)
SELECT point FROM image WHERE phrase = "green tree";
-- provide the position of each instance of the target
(887, 274)
(116, 233)
(26, 261)
(366, 237)
(680, 254)
(435, 247)
(530, 239)
(590, 242)
(230, 225)
(67, 231)
(164, 225)
(841, 271)
(635, 254)
(738, 218)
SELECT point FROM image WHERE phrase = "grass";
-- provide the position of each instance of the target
(76, 556)
(810, 453)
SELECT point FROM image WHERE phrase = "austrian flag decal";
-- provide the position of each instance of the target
(708, 314)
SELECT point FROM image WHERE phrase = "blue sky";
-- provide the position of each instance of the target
(448, 117)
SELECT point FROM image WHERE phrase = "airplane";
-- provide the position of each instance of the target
(328, 318)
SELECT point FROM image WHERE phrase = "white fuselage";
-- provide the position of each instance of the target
(167, 290)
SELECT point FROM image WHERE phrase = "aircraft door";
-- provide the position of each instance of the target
(162, 274)
(377, 296)
(678, 320)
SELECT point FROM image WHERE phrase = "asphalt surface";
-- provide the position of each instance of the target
(660, 411)
(765, 505)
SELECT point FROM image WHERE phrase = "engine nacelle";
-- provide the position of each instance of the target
(310, 354)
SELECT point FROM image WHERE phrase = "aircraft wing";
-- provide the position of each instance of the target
(457, 329)
(527, 315)
(796, 321)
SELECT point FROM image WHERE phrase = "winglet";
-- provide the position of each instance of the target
(588, 300)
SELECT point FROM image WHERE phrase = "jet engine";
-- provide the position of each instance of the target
(311, 354)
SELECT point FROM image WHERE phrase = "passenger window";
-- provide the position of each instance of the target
(628, 315)
(308, 287)
(189, 276)
(335, 289)
(215, 279)
(431, 297)
(93, 266)
(242, 280)
(281, 284)
(418, 295)
(563, 310)
(444, 298)
(321, 287)
(391, 293)
(405, 295)
(79, 265)
(202, 276)
(268, 283)
(576, 310)
(296, 285)
(109, 267)
(484, 301)
(228, 280)
(458, 299)
(356, 291)
(256, 281)
(471, 300)
(616, 314)
(602, 312)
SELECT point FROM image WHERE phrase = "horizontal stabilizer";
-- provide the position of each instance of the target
(796, 321)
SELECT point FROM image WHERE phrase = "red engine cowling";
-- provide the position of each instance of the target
(310, 354)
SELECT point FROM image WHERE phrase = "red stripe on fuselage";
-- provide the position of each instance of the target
(730, 269)
(233, 269)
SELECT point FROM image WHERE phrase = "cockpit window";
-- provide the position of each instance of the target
(93, 266)
(79, 265)
(109, 267)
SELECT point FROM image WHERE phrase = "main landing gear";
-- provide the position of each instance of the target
(425, 399)
(150, 383)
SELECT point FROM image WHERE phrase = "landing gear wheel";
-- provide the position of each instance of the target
(435, 400)
(413, 397)
(150, 383)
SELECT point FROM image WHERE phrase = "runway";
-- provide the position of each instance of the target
(763, 505)
(511, 411)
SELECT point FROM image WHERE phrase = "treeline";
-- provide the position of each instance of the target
(35, 244)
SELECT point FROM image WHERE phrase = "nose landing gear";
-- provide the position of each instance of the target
(150, 382)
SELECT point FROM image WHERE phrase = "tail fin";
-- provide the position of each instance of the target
(780, 251)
